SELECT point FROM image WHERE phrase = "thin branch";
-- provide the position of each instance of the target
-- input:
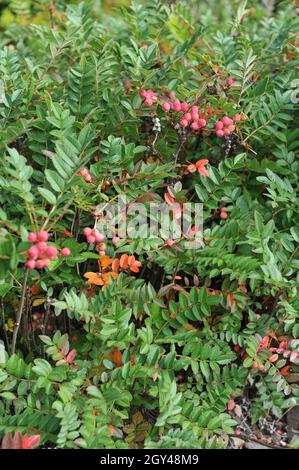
(4, 329)
(20, 313)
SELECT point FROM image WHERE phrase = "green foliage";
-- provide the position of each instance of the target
(152, 357)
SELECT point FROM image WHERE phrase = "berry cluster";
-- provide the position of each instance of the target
(149, 97)
(191, 116)
(224, 127)
(40, 254)
(86, 175)
(93, 235)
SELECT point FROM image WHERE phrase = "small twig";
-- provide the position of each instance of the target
(19, 315)
(252, 439)
(52, 19)
(4, 329)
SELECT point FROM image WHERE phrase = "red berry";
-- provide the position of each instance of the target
(65, 252)
(87, 231)
(226, 121)
(40, 264)
(30, 264)
(195, 126)
(51, 252)
(177, 106)
(42, 236)
(169, 242)
(148, 102)
(187, 117)
(184, 106)
(99, 237)
(32, 237)
(33, 252)
(202, 122)
(223, 213)
(41, 246)
(230, 81)
(184, 123)
(83, 171)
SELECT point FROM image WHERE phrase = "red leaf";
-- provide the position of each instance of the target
(29, 442)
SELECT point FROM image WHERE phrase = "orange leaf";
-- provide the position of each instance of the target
(94, 278)
(105, 261)
(116, 356)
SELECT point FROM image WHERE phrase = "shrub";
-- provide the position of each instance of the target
(123, 342)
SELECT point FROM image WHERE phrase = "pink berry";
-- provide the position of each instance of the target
(166, 106)
(102, 246)
(230, 81)
(91, 239)
(46, 262)
(187, 117)
(226, 121)
(42, 236)
(143, 93)
(226, 132)
(177, 106)
(33, 252)
(194, 109)
(88, 178)
(184, 106)
(32, 237)
(87, 231)
(220, 133)
(42, 254)
(202, 122)
(231, 128)
(83, 171)
(51, 252)
(223, 214)
(169, 242)
(41, 246)
(195, 116)
(184, 123)
(115, 240)
(195, 126)
(148, 102)
(237, 117)
(219, 125)
(99, 236)
(30, 264)
(40, 264)
(65, 252)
